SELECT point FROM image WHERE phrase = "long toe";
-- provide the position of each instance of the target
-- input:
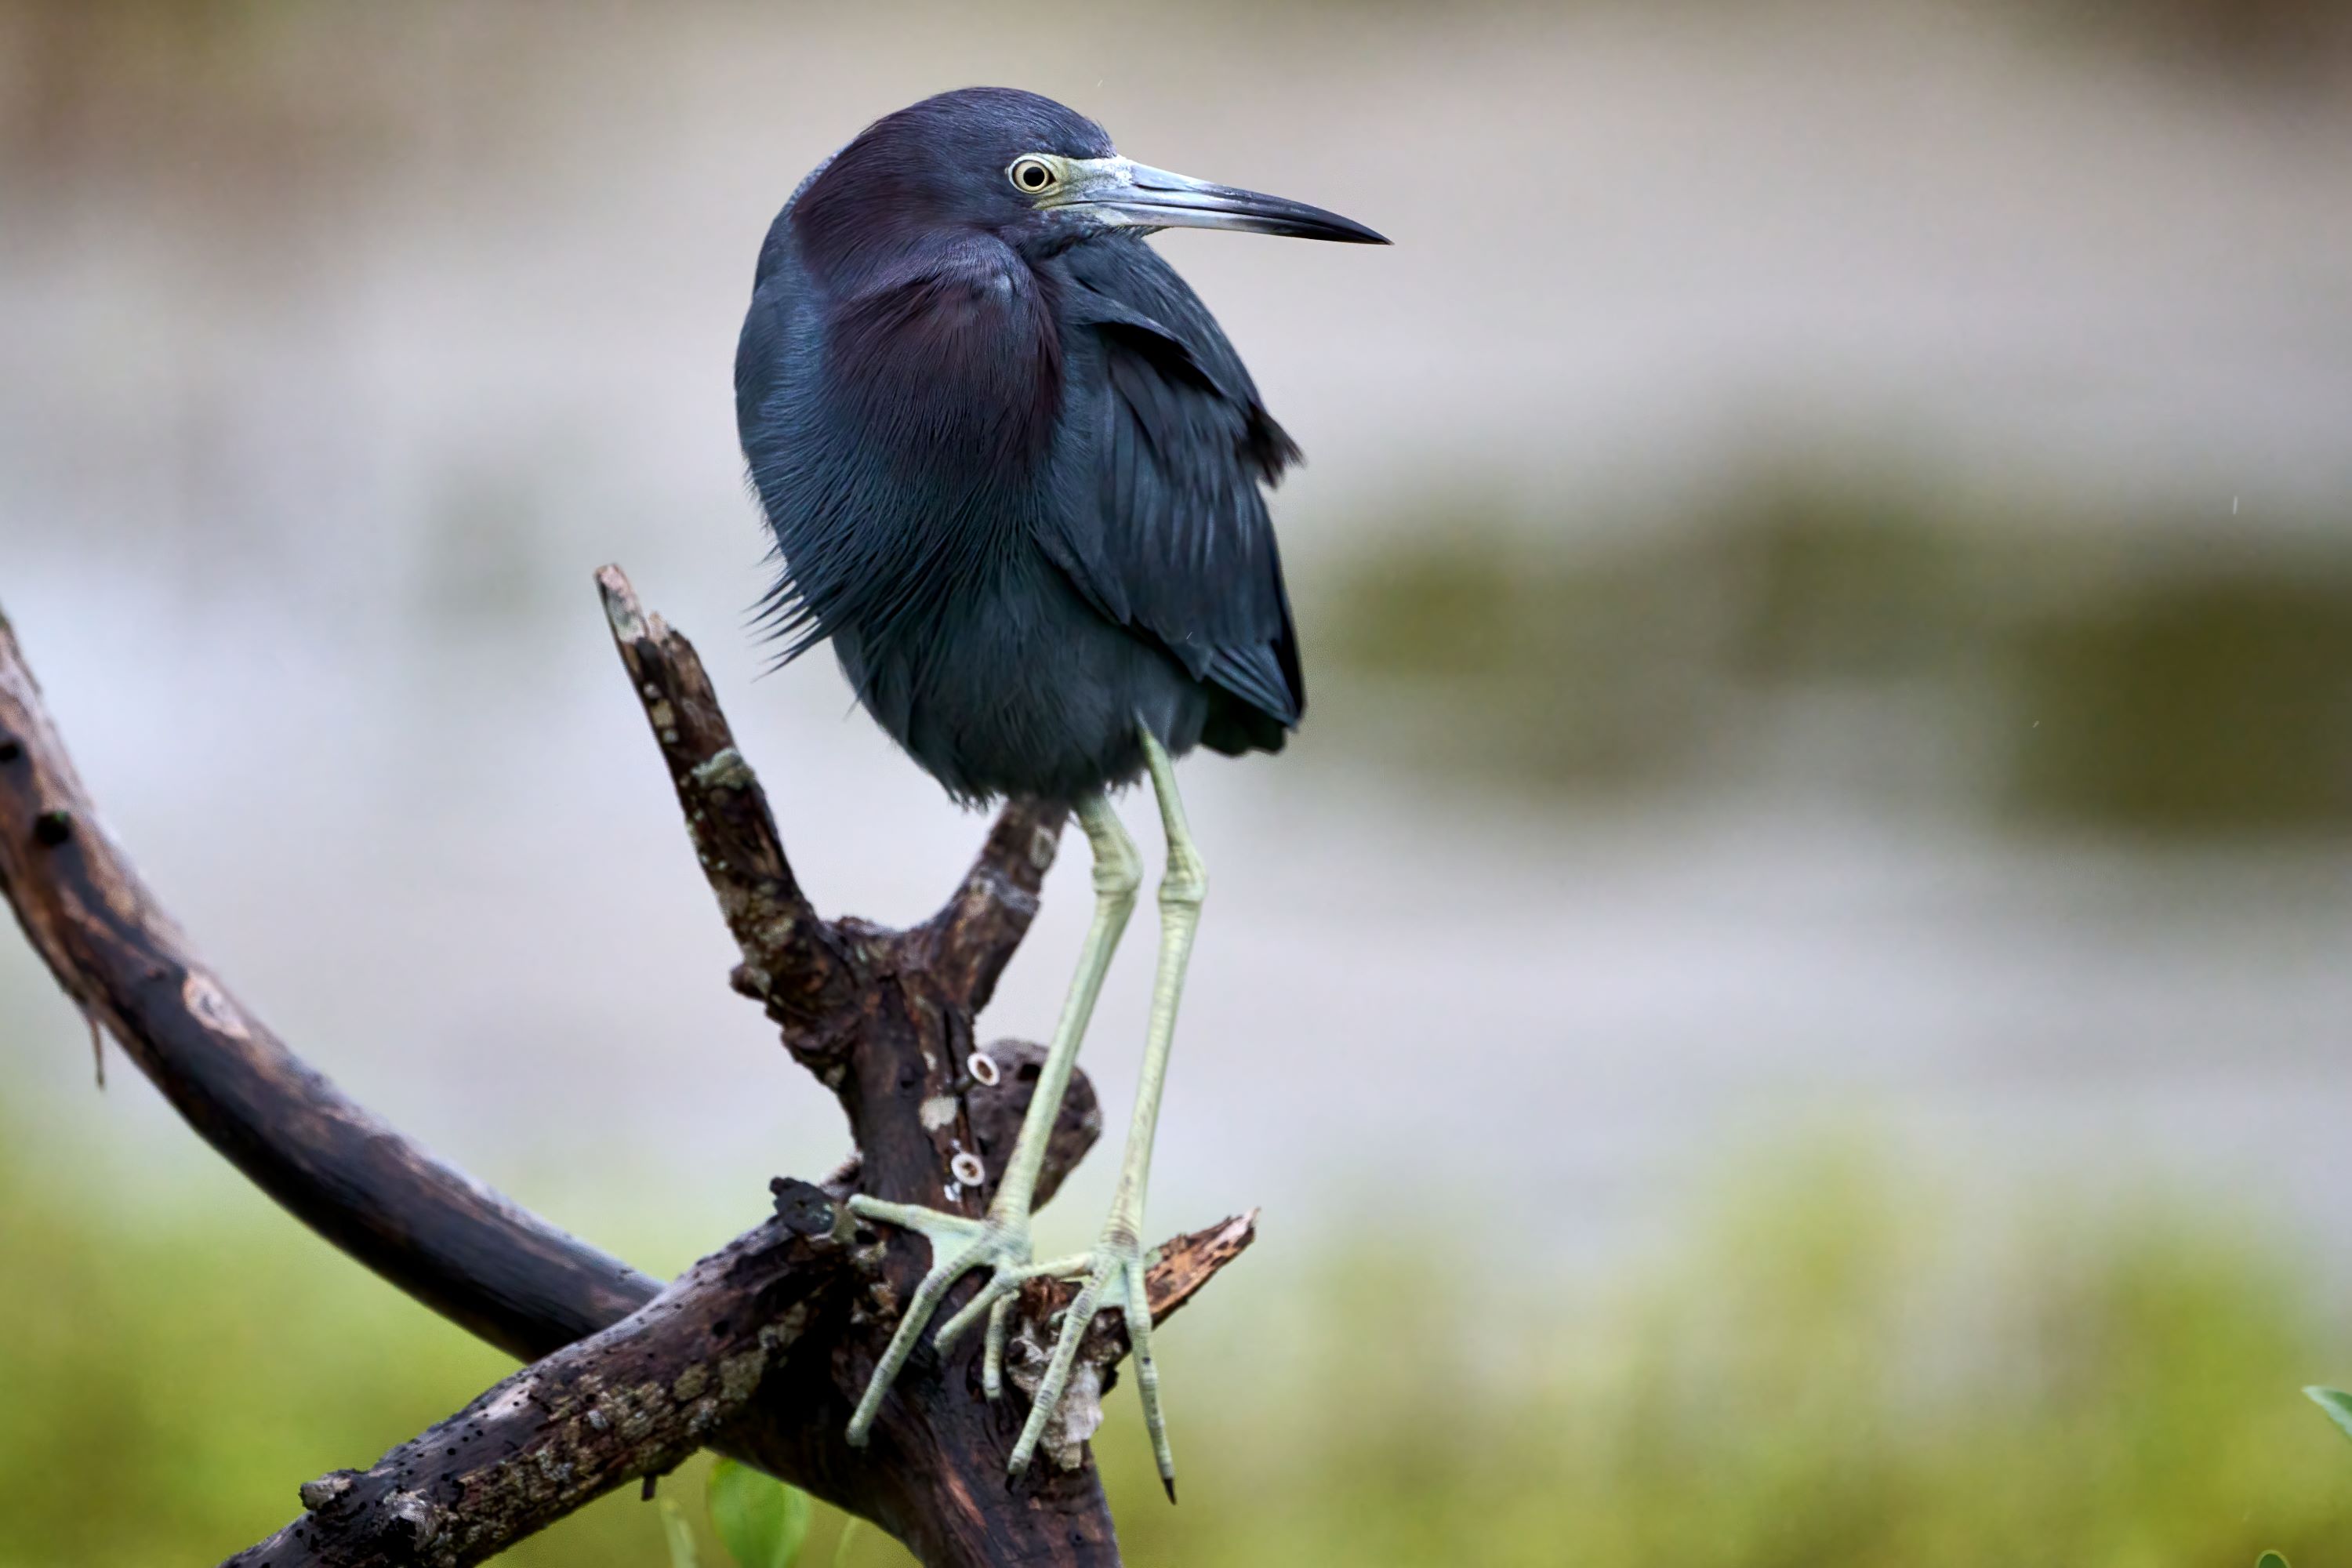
(992, 1295)
(960, 1244)
(992, 1361)
(1147, 1374)
(1106, 1284)
(902, 1345)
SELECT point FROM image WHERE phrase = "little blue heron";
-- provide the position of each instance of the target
(1016, 474)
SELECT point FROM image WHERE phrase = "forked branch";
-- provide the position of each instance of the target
(760, 1350)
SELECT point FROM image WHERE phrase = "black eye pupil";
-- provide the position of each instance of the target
(1033, 177)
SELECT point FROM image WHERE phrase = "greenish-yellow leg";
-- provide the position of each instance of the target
(1000, 1241)
(1113, 1272)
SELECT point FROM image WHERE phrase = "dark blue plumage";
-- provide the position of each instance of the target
(1014, 469)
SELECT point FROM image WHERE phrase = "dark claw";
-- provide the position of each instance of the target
(1170, 1483)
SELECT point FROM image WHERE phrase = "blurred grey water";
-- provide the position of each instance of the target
(477, 911)
(333, 367)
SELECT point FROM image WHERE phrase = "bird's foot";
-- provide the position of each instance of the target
(960, 1244)
(1111, 1275)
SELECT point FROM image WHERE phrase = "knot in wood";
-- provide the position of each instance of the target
(317, 1494)
(805, 1209)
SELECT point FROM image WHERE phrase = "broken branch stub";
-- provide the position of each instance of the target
(791, 959)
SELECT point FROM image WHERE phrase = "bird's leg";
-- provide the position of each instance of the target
(1113, 1272)
(1000, 1241)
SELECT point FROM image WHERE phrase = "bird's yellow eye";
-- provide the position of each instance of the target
(1033, 177)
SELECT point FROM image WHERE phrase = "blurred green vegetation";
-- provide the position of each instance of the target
(1882, 632)
(1833, 1368)
(2203, 703)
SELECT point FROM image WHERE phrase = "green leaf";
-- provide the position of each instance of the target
(2335, 1402)
(761, 1520)
(680, 1533)
(2270, 1559)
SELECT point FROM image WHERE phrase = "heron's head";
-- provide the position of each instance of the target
(1030, 172)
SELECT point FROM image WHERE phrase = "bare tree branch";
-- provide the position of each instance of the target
(636, 1400)
(761, 1351)
(976, 933)
(436, 1232)
(683, 1371)
(790, 959)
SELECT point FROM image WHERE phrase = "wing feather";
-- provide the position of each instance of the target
(1170, 534)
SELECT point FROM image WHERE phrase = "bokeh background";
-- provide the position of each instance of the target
(1790, 1005)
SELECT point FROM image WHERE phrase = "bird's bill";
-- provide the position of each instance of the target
(1124, 192)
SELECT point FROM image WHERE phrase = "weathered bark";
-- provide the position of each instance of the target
(761, 1350)
(690, 1369)
(637, 1399)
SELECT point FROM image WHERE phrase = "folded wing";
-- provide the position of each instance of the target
(1169, 532)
